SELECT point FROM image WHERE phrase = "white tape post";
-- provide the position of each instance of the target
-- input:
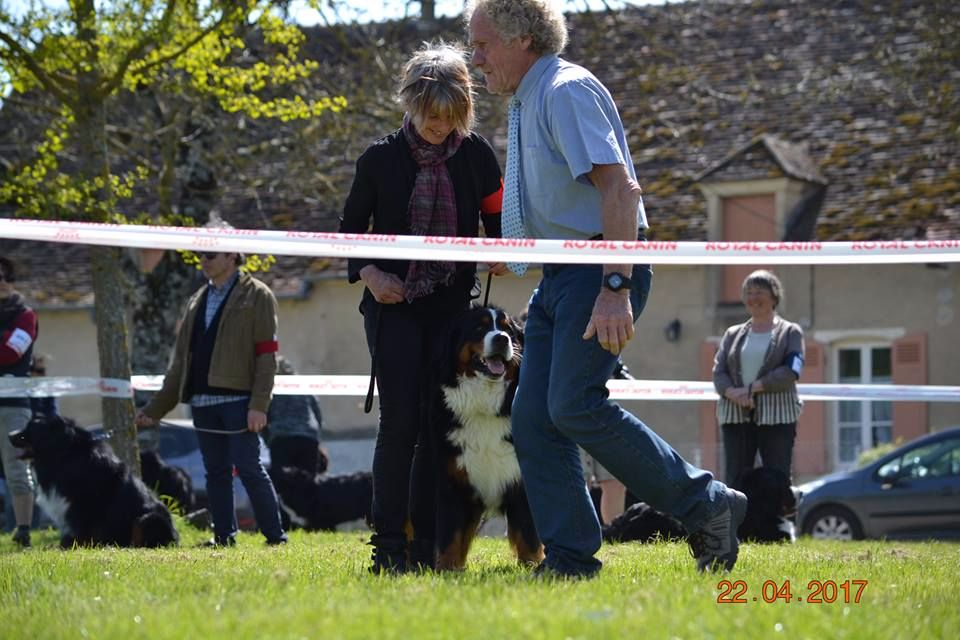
(308, 243)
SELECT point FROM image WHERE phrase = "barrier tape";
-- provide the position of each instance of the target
(345, 245)
(356, 385)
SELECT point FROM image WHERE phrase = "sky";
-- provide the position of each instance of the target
(370, 10)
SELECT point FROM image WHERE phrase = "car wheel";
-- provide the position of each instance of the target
(833, 523)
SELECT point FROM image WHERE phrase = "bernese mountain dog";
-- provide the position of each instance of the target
(316, 502)
(771, 506)
(477, 463)
(87, 491)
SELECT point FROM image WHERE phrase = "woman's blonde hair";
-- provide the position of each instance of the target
(437, 79)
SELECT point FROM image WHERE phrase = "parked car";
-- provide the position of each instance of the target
(176, 442)
(911, 493)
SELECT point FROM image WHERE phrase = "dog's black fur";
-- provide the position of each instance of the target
(771, 506)
(90, 494)
(316, 502)
(642, 523)
(477, 465)
(168, 480)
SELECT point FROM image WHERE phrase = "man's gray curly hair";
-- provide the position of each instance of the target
(541, 20)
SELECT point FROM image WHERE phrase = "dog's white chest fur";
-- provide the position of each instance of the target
(489, 460)
(55, 506)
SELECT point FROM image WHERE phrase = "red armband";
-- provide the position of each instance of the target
(493, 203)
(267, 346)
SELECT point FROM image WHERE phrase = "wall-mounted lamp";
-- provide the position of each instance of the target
(672, 331)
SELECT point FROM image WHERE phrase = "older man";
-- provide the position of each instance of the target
(569, 175)
(224, 362)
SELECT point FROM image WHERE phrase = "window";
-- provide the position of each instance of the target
(862, 424)
(936, 460)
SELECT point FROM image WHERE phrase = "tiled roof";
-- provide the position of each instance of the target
(860, 94)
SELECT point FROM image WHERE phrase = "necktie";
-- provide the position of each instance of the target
(512, 222)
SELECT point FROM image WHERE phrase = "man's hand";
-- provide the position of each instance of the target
(497, 268)
(385, 287)
(611, 321)
(142, 420)
(256, 420)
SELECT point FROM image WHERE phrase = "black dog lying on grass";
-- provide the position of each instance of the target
(315, 502)
(87, 491)
(642, 523)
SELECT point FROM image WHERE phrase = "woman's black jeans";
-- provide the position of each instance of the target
(741, 441)
(408, 342)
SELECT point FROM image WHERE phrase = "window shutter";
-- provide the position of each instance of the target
(910, 367)
(811, 453)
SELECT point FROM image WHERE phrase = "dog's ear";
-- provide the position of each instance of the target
(516, 331)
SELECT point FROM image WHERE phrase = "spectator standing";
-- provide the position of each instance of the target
(755, 372)
(224, 362)
(18, 332)
(293, 429)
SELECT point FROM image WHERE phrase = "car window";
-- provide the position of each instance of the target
(935, 460)
(170, 442)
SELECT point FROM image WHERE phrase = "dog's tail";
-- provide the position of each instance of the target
(155, 529)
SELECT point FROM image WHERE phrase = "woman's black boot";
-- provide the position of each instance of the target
(389, 554)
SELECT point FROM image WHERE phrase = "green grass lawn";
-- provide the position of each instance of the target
(317, 587)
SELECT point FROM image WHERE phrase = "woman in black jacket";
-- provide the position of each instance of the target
(755, 372)
(431, 177)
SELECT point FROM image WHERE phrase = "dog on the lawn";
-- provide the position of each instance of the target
(478, 472)
(771, 506)
(91, 495)
(168, 480)
(642, 523)
(316, 502)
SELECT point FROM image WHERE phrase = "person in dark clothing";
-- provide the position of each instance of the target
(18, 332)
(431, 177)
(293, 428)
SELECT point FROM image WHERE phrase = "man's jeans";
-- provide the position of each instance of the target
(562, 402)
(220, 454)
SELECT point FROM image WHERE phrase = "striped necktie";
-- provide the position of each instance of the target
(512, 223)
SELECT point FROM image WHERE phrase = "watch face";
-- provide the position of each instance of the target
(614, 281)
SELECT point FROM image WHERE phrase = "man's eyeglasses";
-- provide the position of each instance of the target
(210, 255)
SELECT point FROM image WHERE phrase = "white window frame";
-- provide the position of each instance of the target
(865, 347)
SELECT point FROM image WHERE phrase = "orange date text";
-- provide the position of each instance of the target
(816, 592)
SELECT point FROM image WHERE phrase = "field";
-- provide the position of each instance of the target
(317, 587)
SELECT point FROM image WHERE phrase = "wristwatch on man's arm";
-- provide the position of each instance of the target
(616, 282)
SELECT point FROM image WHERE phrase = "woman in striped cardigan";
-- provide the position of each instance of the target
(755, 373)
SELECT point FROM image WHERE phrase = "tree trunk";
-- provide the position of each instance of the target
(105, 262)
(111, 319)
(427, 10)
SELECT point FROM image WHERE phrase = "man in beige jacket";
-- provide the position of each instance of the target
(223, 365)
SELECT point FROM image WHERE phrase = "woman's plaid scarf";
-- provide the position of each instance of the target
(432, 208)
